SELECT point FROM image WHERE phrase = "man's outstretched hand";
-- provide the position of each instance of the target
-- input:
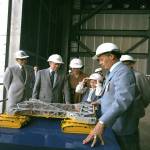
(96, 133)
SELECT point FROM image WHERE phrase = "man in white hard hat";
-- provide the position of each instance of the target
(18, 81)
(117, 100)
(98, 70)
(75, 77)
(141, 80)
(51, 84)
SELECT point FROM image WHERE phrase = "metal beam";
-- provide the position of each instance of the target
(82, 54)
(15, 30)
(148, 58)
(95, 11)
(8, 33)
(38, 32)
(7, 48)
(66, 15)
(85, 47)
(135, 45)
(35, 55)
(85, 54)
(110, 11)
(127, 33)
(139, 55)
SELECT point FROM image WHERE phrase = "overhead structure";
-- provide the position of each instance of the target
(125, 22)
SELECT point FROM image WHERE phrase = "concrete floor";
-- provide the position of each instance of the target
(145, 130)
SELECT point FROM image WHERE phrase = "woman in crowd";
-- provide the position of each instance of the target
(76, 75)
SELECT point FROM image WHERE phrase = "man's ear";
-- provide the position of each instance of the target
(112, 57)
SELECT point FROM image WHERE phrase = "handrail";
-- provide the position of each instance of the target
(3, 100)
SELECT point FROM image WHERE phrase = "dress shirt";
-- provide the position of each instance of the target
(91, 91)
(23, 73)
(19, 65)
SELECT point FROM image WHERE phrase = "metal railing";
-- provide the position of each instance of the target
(3, 98)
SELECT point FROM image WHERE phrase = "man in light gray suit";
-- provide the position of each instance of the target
(51, 84)
(18, 81)
(119, 105)
(141, 80)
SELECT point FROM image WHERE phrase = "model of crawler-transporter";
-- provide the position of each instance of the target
(81, 112)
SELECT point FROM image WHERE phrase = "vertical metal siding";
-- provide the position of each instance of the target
(119, 22)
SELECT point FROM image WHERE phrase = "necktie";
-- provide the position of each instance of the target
(52, 77)
(23, 73)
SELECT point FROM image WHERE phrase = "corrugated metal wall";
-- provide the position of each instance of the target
(45, 29)
(116, 22)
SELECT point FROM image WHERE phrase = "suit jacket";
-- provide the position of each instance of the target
(44, 90)
(18, 89)
(119, 105)
(143, 87)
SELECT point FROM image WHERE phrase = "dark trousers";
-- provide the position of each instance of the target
(129, 142)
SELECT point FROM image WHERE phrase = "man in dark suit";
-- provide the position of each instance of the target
(51, 84)
(18, 81)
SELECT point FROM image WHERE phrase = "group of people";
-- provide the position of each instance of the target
(52, 85)
(83, 88)
(122, 94)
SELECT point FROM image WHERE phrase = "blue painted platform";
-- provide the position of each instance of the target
(45, 134)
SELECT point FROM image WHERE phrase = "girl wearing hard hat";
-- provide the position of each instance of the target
(93, 92)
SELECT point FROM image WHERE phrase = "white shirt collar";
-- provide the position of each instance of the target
(19, 65)
(90, 94)
(92, 89)
(114, 66)
(50, 70)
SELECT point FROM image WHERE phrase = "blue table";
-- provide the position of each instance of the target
(44, 134)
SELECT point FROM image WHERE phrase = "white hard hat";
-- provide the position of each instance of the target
(98, 70)
(96, 76)
(104, 48)
(21, 54)
(76, 63)
(55, 58)
(126, 58)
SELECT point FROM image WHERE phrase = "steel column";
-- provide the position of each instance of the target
(148, 58)
(135, 45)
